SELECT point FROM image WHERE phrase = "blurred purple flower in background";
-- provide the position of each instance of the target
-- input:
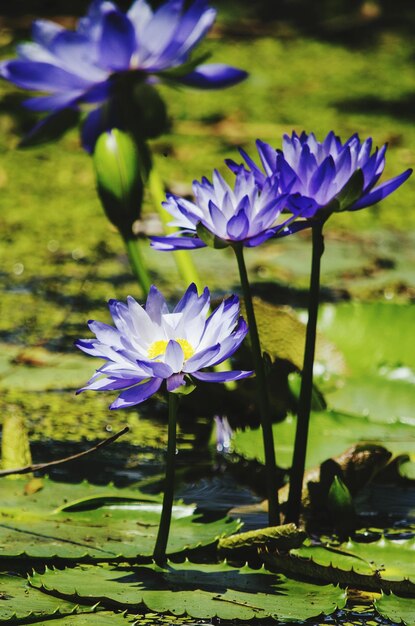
(247, 214)
(82, 66)
(324, 177)
(151, 344)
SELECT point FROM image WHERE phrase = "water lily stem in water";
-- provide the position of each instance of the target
(304, 403)
(159, 554)
(262, 393)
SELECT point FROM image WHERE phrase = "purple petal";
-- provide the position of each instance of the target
(194, 25)
(109, 383)
(136, 395)
(52, 103)
(92, 128)
(201, 359)
(321, 181)
(221, 377)
(157, 369)
(105, 333)
(214, 76)
(175, 381)
(174, 356)
(44, 32)
(88, 346)
(381, 191)
(161, 28)
(156, 305)
(173, 242)
(118, 42)
(41, 76)
(78, 54)
(238, 226)
(119, 312)
(190, 295)
(98, 93)
(91, 24)
(230, 344)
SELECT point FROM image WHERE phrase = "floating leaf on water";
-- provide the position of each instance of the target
(200, 591)
(381, 565)
(83, 521)
(20, 601)
(396, 608)
(380, 367)
(331, 432)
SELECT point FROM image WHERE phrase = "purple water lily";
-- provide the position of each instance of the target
(82, 66)
(151, 344)
(327, 176)
(247, 214)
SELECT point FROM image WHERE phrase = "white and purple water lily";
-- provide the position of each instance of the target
(247, 214)
(150, 344)
(80, 66)
(315, 174)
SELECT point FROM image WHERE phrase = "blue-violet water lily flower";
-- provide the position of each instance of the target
(247, 214)
(318, 175)
(81, 66)
(151, 344)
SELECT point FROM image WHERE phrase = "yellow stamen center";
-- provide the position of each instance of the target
(158, 348)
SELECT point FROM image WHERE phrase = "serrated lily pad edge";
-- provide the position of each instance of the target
(143, 608)
(299, 566)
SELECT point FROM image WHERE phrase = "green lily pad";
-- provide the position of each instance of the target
(84, 522)
(385, 564)
(102, 618)
(37, 369)
(396, 608)
(200, 591)
(375, 342)
(20, 601)
(331, 432)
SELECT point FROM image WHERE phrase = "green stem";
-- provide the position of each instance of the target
(184, 262)
(262, 393)
(137, 263)
(159, 553)
(304, 403)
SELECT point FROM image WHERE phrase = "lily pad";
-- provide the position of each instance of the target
(374, 340)
(84, 522)
(331, 432)
(200, 591)
(396, 608)
(37, 369)
(102, 618)
(19, 601)
(385, 564)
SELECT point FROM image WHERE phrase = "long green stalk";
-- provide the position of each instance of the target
(159, 553)
(304, 403)
(262, 393)
(137, 263)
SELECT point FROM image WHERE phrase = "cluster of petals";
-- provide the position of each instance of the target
(151, 344)
(248, 214)
(314, 173)
(78, 66)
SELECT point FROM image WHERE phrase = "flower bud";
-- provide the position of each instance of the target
(119, 178)
(340, 504)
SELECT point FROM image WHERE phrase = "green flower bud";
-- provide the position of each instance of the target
(340, 504)
(119, 178)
